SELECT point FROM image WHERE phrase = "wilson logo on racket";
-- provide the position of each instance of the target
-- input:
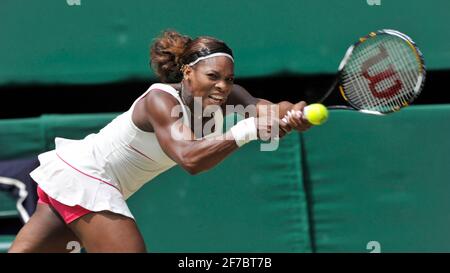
(375, 80)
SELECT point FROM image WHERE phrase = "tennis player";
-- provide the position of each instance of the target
(83, 184)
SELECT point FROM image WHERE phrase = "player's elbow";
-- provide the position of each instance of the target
(191, 165)
(195, 161)
(193, 170)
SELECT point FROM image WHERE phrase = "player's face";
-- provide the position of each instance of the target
(212, 80)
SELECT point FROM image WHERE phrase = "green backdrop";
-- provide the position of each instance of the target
(108, 40)
(382, 179)
(335, 188)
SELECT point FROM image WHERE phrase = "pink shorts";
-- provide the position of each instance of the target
(68, 213)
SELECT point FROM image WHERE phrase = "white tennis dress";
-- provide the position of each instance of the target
(104, 169)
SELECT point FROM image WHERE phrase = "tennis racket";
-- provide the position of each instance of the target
(380, 74)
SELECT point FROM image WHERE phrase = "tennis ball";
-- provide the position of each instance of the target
(316, 113)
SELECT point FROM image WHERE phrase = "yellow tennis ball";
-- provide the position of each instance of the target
(316, 113)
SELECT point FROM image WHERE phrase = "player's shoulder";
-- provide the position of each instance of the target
(237, 87)
(162, 94)
(240, 96)
(160, 101)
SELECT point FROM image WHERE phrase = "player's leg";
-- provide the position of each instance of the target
(44, 232)
(106, 231)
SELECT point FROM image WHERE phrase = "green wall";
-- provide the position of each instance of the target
(383, 179)
(108, 40)
(358, 178)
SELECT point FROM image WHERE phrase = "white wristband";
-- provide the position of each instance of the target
(244, 131)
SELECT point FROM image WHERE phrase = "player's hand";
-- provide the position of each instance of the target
(285, 128)
(295, 118)
(269, 126)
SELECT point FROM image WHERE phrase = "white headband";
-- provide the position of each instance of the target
(211, 56)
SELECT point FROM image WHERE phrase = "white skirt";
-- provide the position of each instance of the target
(72, 186)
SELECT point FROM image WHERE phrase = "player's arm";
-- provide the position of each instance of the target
(240, 96)
(177, 140)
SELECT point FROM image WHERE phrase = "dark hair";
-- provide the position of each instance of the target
(171, 51)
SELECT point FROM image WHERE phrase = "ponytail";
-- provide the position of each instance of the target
(165, 55)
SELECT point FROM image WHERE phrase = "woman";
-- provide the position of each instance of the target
(83, 184)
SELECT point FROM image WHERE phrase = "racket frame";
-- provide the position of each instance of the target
(338, 81)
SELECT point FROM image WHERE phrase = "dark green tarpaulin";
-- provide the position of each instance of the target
(384, 179)
(108, 40)
(356, 179)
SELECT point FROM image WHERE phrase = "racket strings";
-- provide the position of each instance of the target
(408, 74)
(368, 100)
(351, 78)
(412, 71)
(396, 65)
(355, 83)
(406, 77)
(383, 85)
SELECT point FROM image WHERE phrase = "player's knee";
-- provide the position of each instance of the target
(22, 247)
(139, 248)
(133, 245)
